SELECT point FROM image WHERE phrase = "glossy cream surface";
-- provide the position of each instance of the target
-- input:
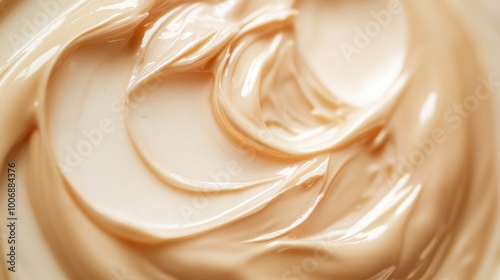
(252, 140)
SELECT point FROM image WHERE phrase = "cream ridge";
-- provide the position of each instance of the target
(251, 140)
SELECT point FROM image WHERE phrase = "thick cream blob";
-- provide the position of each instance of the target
(252, 140)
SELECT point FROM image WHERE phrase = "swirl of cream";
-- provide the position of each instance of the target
(215, 140)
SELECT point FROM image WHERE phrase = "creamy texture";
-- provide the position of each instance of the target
(236, 140)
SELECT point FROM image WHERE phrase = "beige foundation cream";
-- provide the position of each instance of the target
(246, 140)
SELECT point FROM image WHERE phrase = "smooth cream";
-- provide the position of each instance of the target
(252, 140)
